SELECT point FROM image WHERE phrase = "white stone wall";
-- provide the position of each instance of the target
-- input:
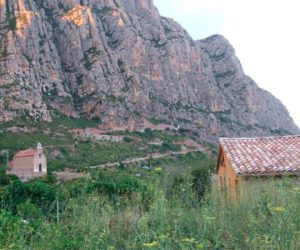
(40, 160)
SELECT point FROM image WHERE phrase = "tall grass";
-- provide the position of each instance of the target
(266, 215)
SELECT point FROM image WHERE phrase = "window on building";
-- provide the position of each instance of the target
(40, 155)
(40, 167)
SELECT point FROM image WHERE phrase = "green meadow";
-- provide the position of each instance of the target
(120, 209)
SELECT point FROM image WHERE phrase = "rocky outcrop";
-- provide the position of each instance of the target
(120, 61)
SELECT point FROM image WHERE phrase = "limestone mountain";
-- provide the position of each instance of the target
(120, 61)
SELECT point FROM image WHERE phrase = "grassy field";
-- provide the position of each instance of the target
(147, 214)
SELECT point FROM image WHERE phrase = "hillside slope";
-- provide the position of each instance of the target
(120, 61)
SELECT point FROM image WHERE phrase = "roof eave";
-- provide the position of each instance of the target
(269, 174)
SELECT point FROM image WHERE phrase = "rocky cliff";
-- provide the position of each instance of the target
(120, 61)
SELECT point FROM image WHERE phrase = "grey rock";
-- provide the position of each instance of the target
(121, 61)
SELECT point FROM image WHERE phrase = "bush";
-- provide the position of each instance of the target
(115, 185)
(4, 180)
(170, 147)
(12, 177)
(8, 226)
(127, 139)
(178, 183)
(38, 193)
(12, 195)
(201, 182)
(28, 211)
(121, 166)
(50, 178)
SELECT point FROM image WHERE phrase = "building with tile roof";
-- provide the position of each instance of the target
(28, 163)
(265, 156)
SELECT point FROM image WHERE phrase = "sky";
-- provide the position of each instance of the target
(264, 33)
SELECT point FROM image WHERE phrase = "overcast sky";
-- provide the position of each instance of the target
(264, 33)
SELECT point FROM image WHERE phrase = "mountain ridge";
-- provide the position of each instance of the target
(121, 62)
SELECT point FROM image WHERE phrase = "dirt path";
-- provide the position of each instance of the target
(148, 157)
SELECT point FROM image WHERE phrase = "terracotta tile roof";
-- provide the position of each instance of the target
(263, 156)
(26, 153)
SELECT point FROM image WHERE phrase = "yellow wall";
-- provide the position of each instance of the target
(227, 179)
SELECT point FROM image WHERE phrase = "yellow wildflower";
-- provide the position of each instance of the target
(188, 240)
(210, 218)
(151, 244)
(277, 209)
(158, 169)
(199, 246)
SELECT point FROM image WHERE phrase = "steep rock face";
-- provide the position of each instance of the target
(121, 61)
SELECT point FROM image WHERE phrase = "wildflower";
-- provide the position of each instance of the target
(151, 244)
(158, 169)
(277, 209)
(199, 246)
(210, 218)
(188, 240)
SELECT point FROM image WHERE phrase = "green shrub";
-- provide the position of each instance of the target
(201, 182)
(28, 211)
(50, 178)
(12, 177)
(114, 185)
(127, 139)
(38, 193)
(9, 225)
(4, 180)
(12, 195)
(121, 166)
(175, 189)
(170, 147)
